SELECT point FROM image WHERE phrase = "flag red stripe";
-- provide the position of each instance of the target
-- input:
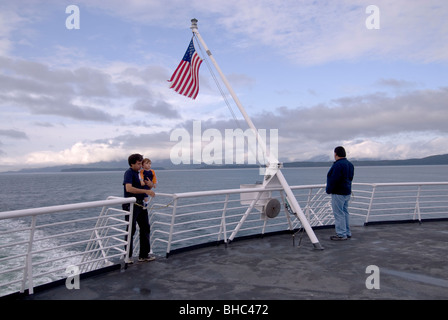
(182, 77)
(179, 74)
(185, 79)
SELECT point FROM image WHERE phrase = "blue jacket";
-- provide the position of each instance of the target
(340, 177)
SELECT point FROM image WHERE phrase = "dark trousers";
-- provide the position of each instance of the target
(141, 217)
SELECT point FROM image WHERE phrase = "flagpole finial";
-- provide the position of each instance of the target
(194, 24)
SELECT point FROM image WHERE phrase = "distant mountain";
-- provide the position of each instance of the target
(122, 165)
(431, 160)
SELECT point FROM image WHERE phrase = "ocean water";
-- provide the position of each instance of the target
(32, 190)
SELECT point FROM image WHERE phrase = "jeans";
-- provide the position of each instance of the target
(339, 203)
(141, 218)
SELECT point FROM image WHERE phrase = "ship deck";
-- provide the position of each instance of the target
(411, 259)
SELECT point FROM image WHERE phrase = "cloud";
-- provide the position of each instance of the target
(394, 148)
(396, 84)
(79, 153)
(84, 93)
(369, 126)
(11, 134)
(87, 90)
(318, 32)
(374, 115)
(87, 102)
(43, 91)
(10, 23)
(308, 32)
(161, 108)
(155, 145)
(14, 134)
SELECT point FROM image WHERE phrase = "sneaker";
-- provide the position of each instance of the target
(337, 238)
(349, 237)
(148, 258)
(130, 261)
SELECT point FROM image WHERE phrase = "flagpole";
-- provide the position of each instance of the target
(194, 28)
(274, 165)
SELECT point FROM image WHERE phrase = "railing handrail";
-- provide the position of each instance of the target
(192, 194)
(118, 200)
(321, 210)
(109, 235)
(64, 207)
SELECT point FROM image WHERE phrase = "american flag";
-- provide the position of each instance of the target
(185, 80)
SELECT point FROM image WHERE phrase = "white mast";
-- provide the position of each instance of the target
(273, 171)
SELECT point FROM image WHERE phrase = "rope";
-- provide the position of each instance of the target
(301, 230)
(153, 206)
(217, 82)
(160, 206)
(223, 93)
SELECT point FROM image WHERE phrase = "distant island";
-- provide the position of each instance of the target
(167, 165)
(431, 160)
(93, 169)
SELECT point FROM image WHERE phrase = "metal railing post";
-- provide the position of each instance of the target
(417, 205)
(170, 236)
(370, 203)
(129, 235)
(223, 228)
(28, 269)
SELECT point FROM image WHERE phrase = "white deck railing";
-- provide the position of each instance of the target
(46, 244)
(186, 219)
(400, 201)
(39, 245)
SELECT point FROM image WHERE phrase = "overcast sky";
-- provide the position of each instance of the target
(312, 70)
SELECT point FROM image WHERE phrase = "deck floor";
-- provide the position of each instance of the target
(412, 259)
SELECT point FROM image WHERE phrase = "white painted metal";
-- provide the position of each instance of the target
(273, 170)
(108, 234)
(194, 222)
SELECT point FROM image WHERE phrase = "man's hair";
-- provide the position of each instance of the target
(133, 158)
(340, 152)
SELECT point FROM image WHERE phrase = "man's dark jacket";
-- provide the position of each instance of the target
(340, 177)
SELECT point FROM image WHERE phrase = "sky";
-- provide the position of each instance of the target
(319, 74)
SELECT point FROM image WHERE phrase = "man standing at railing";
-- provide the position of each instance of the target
(339, 185)
(133, 188)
